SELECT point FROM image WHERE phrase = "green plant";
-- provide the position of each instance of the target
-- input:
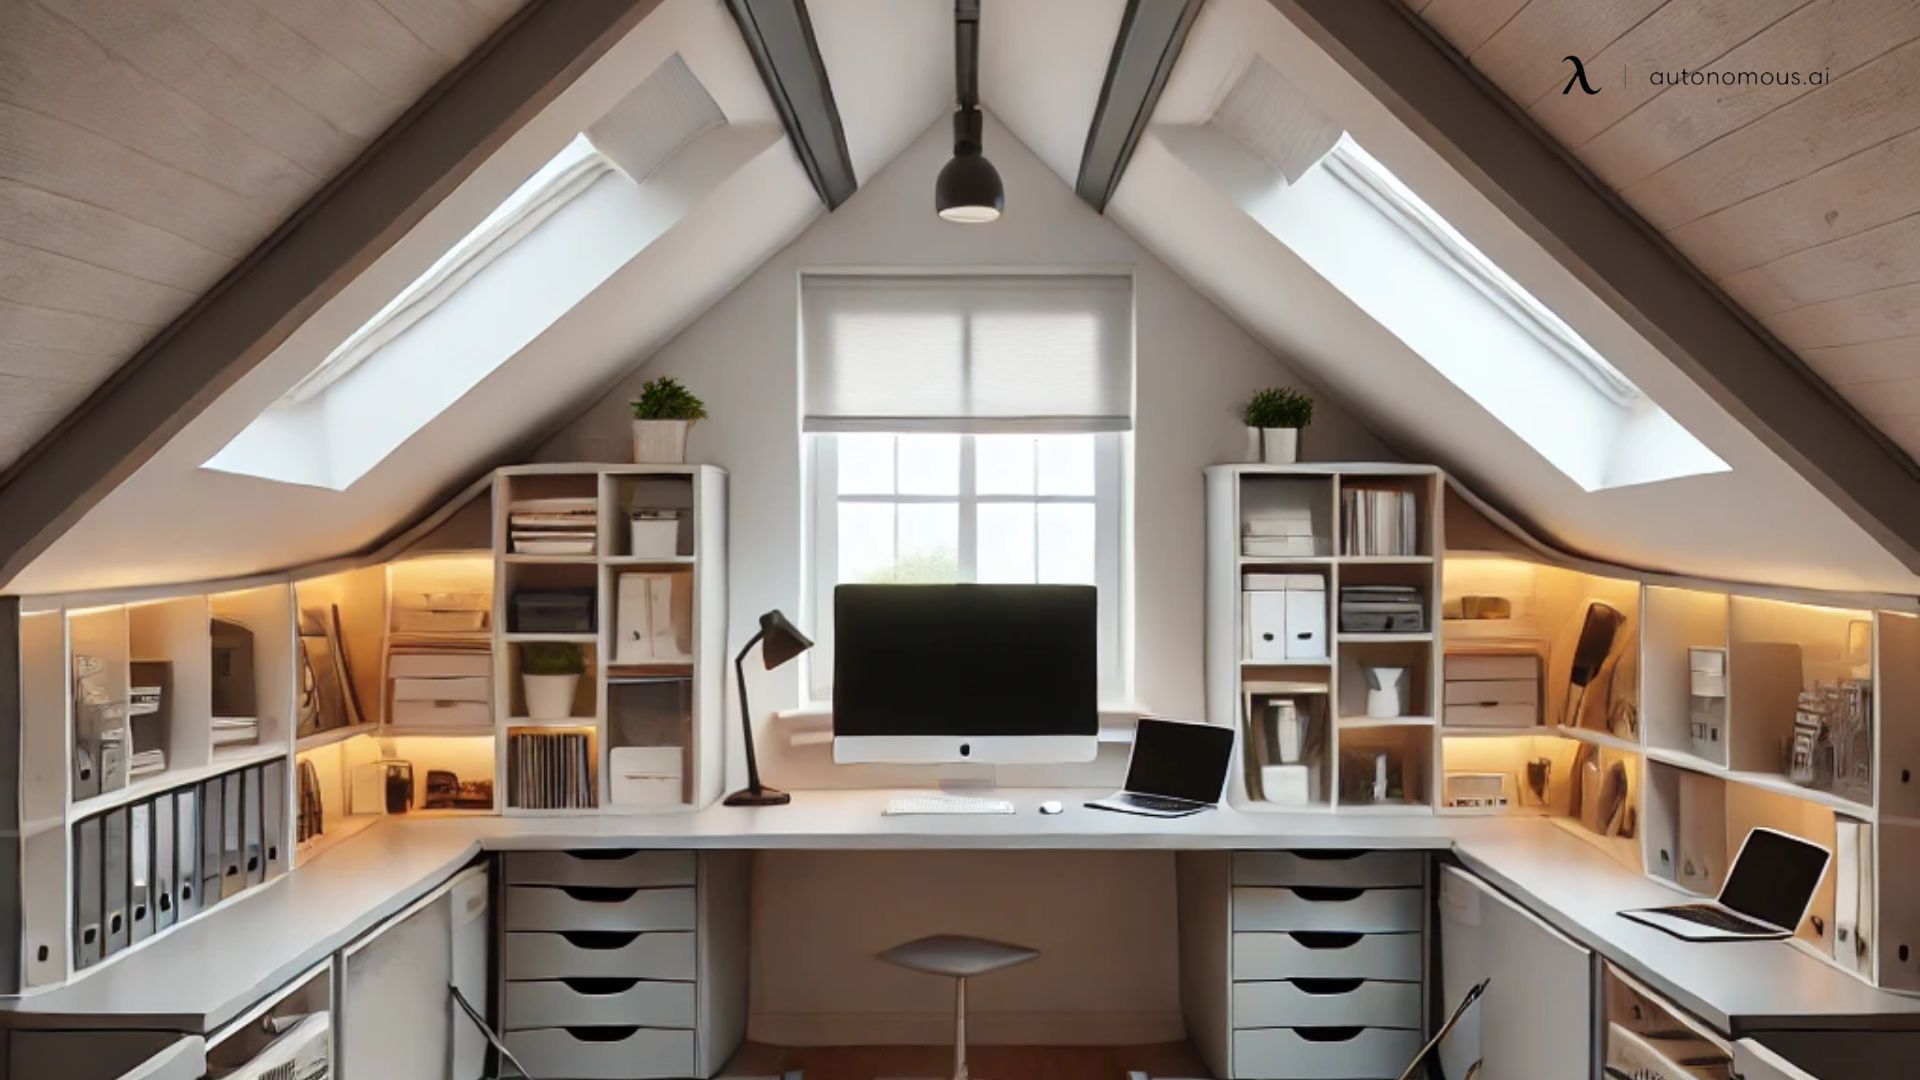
(665, 398)
(1278, 407)
(552, 658)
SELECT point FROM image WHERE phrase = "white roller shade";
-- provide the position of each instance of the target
(968, 353)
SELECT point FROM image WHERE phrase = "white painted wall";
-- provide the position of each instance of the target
(1104, 921)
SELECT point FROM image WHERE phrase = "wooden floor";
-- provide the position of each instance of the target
(987, 1062)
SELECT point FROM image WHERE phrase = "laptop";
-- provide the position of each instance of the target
(1176, 769)
(1766, 894)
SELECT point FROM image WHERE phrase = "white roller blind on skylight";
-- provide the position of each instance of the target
(968, 353)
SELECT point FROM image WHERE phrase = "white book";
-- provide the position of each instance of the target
(633, 619)
(666, 624)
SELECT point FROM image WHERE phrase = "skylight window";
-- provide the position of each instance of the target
(1270, 150)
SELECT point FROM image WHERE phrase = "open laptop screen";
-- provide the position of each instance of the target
(1180, 761)
(1774, 877)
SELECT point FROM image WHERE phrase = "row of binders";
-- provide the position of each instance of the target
(140, 868)
(1378, 521)
(550, 770)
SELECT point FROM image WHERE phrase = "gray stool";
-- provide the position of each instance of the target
(958, 958)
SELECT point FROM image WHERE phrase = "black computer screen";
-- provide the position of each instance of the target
(1182, 761)
(1774, 877)
(976, 660)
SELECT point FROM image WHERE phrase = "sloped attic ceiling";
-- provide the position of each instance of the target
(1042, 66)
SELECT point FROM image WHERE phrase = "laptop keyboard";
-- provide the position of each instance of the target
(1154, 802)
(1708, 915)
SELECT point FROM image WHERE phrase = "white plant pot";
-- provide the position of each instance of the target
(550, 697)
(1279, 445)
(660, 442)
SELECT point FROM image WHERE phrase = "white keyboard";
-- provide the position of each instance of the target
(946, 804)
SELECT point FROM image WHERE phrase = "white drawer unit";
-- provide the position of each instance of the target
(1327, 1003)
(1325, 1053)
(611, 1002)
(599, 954)
(1491, 690)
(597, 907)
(604, 1053)
(1328, 908)
(618, 869)
(1323, 955)
(1339, 869)
(619, 965)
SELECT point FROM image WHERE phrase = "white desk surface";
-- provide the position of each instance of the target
(200, 975)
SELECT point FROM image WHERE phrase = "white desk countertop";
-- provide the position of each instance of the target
(200, 975)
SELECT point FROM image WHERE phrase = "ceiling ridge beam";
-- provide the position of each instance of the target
(779, 34)
(1152, 33)
(1628, 264)
(434, 147)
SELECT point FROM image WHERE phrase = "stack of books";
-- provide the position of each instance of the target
(1379, 521)
(233, 730)
(1279, 533)
(550, 770)
(146, 763)
(562, 526)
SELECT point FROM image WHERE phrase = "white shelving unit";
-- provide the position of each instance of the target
(1338, 710)
(611, 706)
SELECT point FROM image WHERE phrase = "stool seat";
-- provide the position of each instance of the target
(957, 956)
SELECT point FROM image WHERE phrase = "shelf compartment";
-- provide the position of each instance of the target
(1408, 754)
(1270, 779)
(510, 681)
(1777, 650)
(1415, 684)
(1676, 622)
(669, 494)
(649, 734)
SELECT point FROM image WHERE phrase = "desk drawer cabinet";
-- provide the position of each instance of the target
(1304, 965)
(623, 965)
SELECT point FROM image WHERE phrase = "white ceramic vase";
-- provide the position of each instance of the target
(550, 697)
(1279, 445)
(660, 442)
(1383, 690)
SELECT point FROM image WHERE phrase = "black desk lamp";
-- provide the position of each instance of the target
(779, 641)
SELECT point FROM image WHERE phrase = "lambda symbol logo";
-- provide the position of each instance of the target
(1579, 76)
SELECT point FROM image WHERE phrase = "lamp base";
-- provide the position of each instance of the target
(766, 796)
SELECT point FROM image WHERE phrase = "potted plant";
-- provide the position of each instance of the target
(662, 414)
(1274, 417)
(550, 674)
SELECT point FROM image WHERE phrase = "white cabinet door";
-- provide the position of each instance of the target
(396, 1014)
(1536, 1020)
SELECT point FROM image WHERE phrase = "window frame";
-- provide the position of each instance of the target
(1111, 522)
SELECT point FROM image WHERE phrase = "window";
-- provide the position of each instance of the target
(968, 428)
(931, 508)
(1270, 149)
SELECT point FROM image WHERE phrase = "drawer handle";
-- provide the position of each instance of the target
(1328, 1034)
(600, 987)
(1325, 939)
(1326, 894)
(602, 1034)
(600, 854)
(600, 940)
(1330, 856)
(599, 894)
(1326, 987)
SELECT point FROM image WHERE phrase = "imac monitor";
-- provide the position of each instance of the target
(1000, 674)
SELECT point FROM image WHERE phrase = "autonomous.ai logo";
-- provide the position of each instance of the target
(1579, 76)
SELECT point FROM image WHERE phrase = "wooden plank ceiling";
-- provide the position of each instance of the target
(1801, 201)
(146, 148)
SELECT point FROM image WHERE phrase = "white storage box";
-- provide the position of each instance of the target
(645, 775)
(653, 534)
(440, 714)
(462, 688)
(445, 665)
(1285, 617)
(1286, 785)
(1491, 690)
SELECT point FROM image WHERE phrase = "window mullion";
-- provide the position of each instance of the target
(969, 504)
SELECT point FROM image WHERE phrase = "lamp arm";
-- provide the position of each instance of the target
(746, 715)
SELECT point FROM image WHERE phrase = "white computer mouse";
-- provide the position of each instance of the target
(1051, 806)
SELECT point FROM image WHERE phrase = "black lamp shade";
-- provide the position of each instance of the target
(968, 190)
(781, 640)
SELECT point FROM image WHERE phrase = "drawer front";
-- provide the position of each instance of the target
(1328, 956)
(1362, 869)
(1326, 1003)
(1318, 908)
(597, 956)
(1465, 666)
(546, 907)
(463, 688)
(597, 1002)
(641, 869)
(1514, 716)
(1492, 692)
(604, 1053)
(1322, 1053)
